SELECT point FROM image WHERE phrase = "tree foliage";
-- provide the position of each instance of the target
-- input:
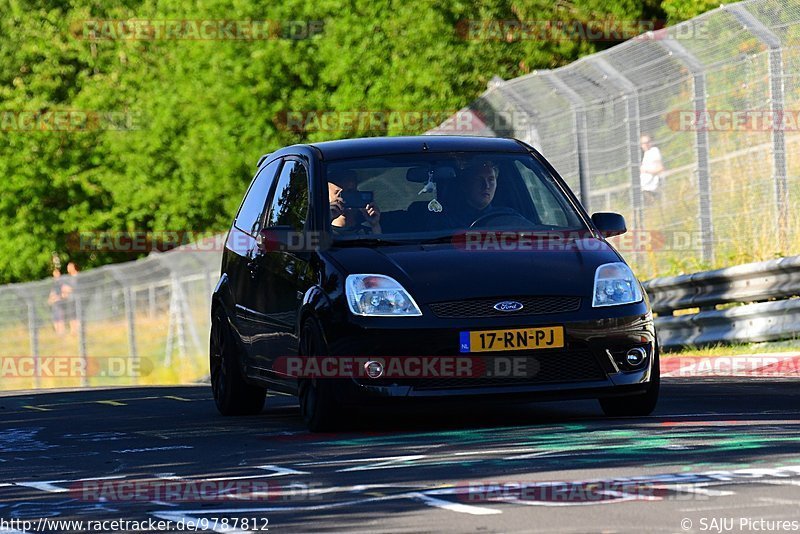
(198, 113)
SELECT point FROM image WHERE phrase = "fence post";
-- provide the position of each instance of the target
(701, 144)
(33, 331)
(81, 335)
(776, 96)
(180, 318)
(151, 300)
(580, 133)
(176, 321)
(631, 96)
(531, 135)
(130, 317)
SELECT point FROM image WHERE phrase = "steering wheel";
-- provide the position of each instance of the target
(496, 214)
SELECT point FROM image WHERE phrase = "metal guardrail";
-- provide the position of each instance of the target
(765, 290)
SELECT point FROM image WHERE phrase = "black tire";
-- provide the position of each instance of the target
(232, 395)
(318, 406)
(636, 405)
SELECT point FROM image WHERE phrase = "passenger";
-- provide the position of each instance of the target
(347, 218)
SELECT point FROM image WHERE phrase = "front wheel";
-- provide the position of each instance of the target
(232, 395)
(318, 405)
(636, 405)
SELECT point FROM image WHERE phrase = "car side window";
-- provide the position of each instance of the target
(249, 217)
(547, 205)
(289, 205)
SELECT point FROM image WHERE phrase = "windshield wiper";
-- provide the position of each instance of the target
(447, 238)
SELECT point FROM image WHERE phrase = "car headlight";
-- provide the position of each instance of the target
(615, 284)
(376, 294)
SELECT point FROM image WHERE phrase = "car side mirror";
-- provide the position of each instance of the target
(609, 224)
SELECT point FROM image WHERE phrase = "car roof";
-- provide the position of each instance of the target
(379, 146)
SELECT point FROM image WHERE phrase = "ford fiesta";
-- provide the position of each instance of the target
(423, 268)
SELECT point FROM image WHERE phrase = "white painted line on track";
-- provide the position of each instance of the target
(726, 507)
(773, 500)
(279, 471)
(154, 449)
(699, 490)
(276, 509)
(498, 451)
(455, 507)
(51, 487)
(44, 486)
(390, 463)
(162, 503)
(223, 479)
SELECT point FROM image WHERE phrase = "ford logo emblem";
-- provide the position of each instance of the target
(508, 306)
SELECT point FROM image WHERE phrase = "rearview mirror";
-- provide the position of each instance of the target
(609, 224)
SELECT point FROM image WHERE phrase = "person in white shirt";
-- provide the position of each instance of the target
(650, 169)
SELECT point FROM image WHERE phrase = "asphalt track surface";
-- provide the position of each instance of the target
(719, 455)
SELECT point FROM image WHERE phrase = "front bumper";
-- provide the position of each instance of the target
(590, 365)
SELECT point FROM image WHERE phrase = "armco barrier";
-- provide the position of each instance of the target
(765, 290)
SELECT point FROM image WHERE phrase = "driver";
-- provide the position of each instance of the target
(480, 185)
(477, 189)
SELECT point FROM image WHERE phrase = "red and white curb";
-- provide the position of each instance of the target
(774, 365)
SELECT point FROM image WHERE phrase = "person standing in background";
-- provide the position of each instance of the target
(70, 297)
(56, 302)
(650, 170)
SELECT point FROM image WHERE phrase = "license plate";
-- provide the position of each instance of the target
(549, 337)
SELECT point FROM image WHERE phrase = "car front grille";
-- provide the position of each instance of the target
(485, 307)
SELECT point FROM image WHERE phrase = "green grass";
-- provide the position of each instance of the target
(745, 349)
(104, 340)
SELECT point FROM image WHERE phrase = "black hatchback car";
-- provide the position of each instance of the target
(424, 268)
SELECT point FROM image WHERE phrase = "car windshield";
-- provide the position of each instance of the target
(419, 197)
